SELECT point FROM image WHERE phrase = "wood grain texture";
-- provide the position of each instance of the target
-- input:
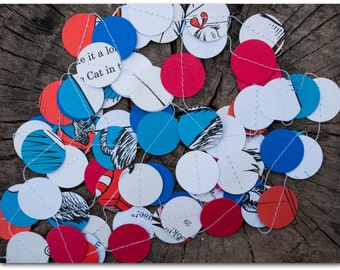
(32, 56)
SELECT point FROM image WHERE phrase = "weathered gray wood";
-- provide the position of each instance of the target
(32, 56)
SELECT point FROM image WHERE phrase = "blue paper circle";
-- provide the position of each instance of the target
(157, 133)
(110, 93)
(114, 148)
(42, 119)
(168, 183)
(136, 114)
(12, 212)
(118, 32)
(72, 101)
(200, 128)
(43, 152)
(282, 150)
(307, 92)
(179, 194)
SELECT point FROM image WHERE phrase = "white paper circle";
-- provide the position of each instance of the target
(131, 64)
(223, 110)
(329, 105)
(98, 64)
(24, 130)
(311, 161)
(247, 108)
(98, 245)
(27, 247)
(263, 27)
(135, 215)
(147, 91)
(234, 137)
(207, 22)
(140, 184)
(197, 172)
(159, 230)
(201, 49)
(118, 118)
(238, 172)
(39, 198)
(209, 196)
(174, 29)
(181, 217)
(252, 147)
(278, 100)
(99, 228)
(71, 172)
(249, 206)
(151, 19)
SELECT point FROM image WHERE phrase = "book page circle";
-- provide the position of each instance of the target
(77, 32)
(157, 133)
(247, 109)
(140, 184)
(202, 49)
(252, 147)
(181, 217)
(67, 244)
(233, 139)
(207, 22)
(71, 173)
(278, 100)
(238, 172)
(200, 128)
(78, 100)
(277, 207)
(151, 19)
(311, 161)
(221, 217)
(109, 30)
(74, 211)
(101, 251)
(27, 247)
(40, 198)
(114, 148)
(183, 75)
(135, 215)
(197, 172)
(174, 29)
(249, 205)
(282, 150)
(131, 64)
(213, 194)
(147, 91)
(129, 243)
(24, 130)
(99, 228)
(98, 64)
(307, 92)
(328, 106)
(263, 27)
(253, 61)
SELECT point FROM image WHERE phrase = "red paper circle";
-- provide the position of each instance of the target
(221, 217)
(67, 244)
(248, 131)
(92, 174)
(276, 74)
(49, 107)
(8, 230)
(130, 243)
(77, 32)
(275, 213)
(253, 61)
(183, 75)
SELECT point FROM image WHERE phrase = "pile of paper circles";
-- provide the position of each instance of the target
(217, 184)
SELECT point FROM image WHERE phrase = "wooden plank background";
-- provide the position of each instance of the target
(32, 55)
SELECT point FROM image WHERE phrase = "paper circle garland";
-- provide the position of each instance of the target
(220, 169)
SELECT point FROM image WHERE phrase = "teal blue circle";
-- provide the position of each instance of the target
(157, 133)
(307, 92)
